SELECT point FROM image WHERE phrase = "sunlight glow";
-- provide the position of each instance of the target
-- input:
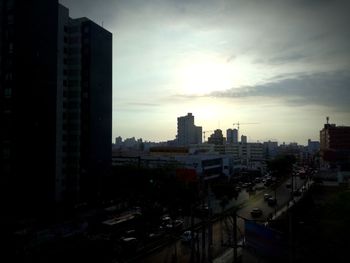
(203, 78)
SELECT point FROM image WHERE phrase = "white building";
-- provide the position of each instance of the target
(248, 154)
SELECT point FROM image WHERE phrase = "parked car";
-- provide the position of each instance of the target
(187, 236)
(267, 196)
(178, 223)
(128, 244)
(256, 212)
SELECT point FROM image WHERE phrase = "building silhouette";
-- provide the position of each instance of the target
(217, 138)
(56, 97)
(187, 132)
(232, 135)
(335, 145)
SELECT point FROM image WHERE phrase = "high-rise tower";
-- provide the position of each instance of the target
(56, 105)
(187, 132)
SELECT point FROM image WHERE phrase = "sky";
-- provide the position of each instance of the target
(281, 64)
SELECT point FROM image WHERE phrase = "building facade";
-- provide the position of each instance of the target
(335, 146)
(56, 92)
(187, 132)
(216, 138)
(232, 136)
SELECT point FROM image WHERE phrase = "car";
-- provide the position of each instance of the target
(245, 185)
(272, 201)
(267, 196)
(178, 223)
(155, 235)
(187, 236)
(256, 212)
(268, 182)
(129, 243)
(130, 233)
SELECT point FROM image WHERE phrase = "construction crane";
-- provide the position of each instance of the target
(204, 134)
(244, 124)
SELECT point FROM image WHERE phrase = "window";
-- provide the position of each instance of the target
(8, 76)
(10, 19)
(10, 4)
(6, 152)
(10, 48)
(8, 92)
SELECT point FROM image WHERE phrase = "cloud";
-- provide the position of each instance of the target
(323, 89)
(143, 104)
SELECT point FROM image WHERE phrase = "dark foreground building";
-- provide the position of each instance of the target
(335, 146)
(56, 106)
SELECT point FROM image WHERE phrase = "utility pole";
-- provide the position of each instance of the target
(210, 227)
(235, 258)
(192, 235)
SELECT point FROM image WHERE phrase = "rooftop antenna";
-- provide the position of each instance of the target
(327, 118)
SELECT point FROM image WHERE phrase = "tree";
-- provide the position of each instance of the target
(282, 165)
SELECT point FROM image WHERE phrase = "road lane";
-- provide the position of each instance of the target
(221, 238)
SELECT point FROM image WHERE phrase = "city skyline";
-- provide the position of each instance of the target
(282, 64)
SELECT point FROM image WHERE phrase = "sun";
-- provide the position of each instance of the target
(200, 78)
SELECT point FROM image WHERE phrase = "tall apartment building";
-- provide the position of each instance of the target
(56, 92)
(187, 132)
(232, 136)
(247, 153)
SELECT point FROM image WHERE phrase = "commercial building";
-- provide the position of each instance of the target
(270, 149)
(313, 146)
(335, 145)
(56, 92)
(187, 132)
(248, 154)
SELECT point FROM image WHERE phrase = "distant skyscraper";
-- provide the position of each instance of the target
(243, 139)
(118, 140)
(56, 90)
(313, 146)
(187, 132)
(232, 136)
